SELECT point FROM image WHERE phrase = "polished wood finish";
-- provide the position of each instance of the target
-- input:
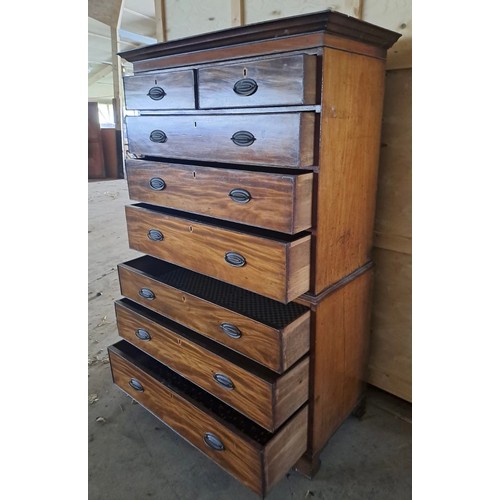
(256, 465)
(278, 269)
(286, 80)
(175, 90)
(266, 398)
(332, 23)
(339, 351)
(276, 348)
(278, 201)
(331, 129)
(208, 138)
(351, 115)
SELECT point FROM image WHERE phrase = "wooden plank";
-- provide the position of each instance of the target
(237, 12)
(338, 357)
(95, 76)
(352, 114)
(390, 362)
(161, 20)
(394, 196)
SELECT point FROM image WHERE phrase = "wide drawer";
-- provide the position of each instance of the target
(265, 397)
(155, 91)
(251, 454)
(268, 332)
(256, 139)
(286, 80)
(276, 201)
(272, 264)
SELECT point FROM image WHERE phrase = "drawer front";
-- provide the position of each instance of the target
(272, 201)
(257, 464)
(256, 139)
(275, 348)
(288, 80)
(246, 391)
(173, 90)
(273, 268)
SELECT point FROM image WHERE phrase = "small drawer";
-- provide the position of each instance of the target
(254, 456)
(280, 81)
(154, 91)
(277, 201)
(283, 140)
(263, 396)
(272, 264)
(268, 332)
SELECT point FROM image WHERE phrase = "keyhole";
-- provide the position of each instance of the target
(244, 72)
(190, 229)
(194, 174)
(195, 124)
(156, 82)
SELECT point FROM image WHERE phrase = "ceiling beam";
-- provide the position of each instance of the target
(138, 14)
(95, 76)
(107, 12)
(237, 12)
(135, 37)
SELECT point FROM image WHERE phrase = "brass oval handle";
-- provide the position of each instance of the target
(212, 441)
(158, 136)
(230, 330)
(155, 235)
(245, 87)
(135, 384)
(235, 259)
(243, 138)
(157, 184)
(240, 195)
(156, 93)
(142, 334)
(146, 293)
(224, 380)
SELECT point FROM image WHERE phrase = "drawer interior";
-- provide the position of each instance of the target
(267, 311)
(190, 391)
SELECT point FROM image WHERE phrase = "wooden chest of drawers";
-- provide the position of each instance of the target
(253, 158)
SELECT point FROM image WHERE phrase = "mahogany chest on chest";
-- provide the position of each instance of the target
(252, 159)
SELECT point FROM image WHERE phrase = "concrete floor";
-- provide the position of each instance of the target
(133, 456)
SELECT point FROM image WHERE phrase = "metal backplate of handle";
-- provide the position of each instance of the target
(224, 380)
(212, 441)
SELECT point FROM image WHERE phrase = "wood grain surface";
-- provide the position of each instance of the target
(277, 349)
(279, 202)
(270, 269)
(208, 138)
(340, 342)
(285, 80)
(349, 154)
(269, 401)
(178, 87)
(257, 466)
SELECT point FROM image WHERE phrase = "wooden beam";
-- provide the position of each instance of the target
(237, 12)
(354, 8)
(107, 12)
(99, 74)
(135, 37)
(137, 14)
(161, 20)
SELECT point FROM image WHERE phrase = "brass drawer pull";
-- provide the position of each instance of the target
(230, 330)
(157, 184)
(243, 138)
(212, 441)
(142, 334)
(224, 380)
(146, 293)
(245, 87)
(158, 136)
(240, 195)
(155, 235)
(135, 384)
(156, 93)
(235, 259)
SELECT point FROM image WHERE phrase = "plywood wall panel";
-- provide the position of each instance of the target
(390, 363)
